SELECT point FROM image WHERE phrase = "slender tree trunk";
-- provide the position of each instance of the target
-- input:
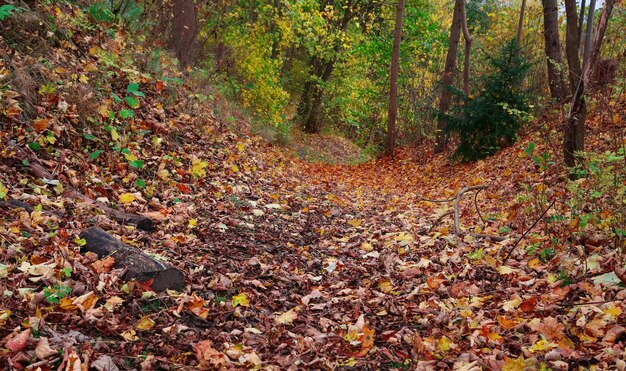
(603, 22)
(468, 52)
(574, 133)
(553, 50)
(448, 73)
(393, 85)
(581, 21)
(184, 29)
(520, 25)
(572, 45)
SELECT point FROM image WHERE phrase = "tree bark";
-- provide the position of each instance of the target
(468, 51)
(574, 132)
(520, 24)
(137, 264)
(393, 85)
(448, 73)
(556, 80)
(184, 30)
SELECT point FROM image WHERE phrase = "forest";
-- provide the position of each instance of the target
(312, 184)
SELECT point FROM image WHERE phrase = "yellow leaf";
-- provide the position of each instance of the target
(145, 324)
(241, 300)
(385, 286)
(193, 223)
(517, 364)
(534, 264)
(542, 345)
(444, 344)
(288, 317)
(4, 316)
(355, 222)
(130, 157)
(114, 135)
(241, 147)
(130, 335)
(235, 168)
(86, 301)
(67, 304)
(613, 311)
(84, 79)
(127, 198)
(112, 303)
(197, 168)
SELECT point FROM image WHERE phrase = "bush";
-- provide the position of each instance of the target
(491, 120)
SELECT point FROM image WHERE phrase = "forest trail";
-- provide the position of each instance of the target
(288, 264)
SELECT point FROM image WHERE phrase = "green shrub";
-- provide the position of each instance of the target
(491, 120)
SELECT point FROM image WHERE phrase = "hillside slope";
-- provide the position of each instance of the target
(287, 264)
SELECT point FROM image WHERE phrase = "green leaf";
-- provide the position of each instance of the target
(141, 184)
(138, 164)
(116, 98)
(95, 154)
(126, 113)
(132, 102)
(90, 137)
(6, 11)
(34, 146)
(133, 88)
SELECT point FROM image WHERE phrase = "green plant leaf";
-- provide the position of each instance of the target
(132, 102)
(116, 98)
(34, 146)
(138, 164)
(133, 88)
(95, 154)
(140, 183)
(126, 113)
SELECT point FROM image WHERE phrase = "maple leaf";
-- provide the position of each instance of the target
(145, 324)
(208, 356)
(126, 198)
(288, 317)
(240, 300)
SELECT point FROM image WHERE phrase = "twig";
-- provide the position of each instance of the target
(45, 362)
(439, 219)
(477, 208)
(587, 303)
(529, 229)
(457, 228)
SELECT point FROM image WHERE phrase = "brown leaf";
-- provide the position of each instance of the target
(18, 342)
(208, 356)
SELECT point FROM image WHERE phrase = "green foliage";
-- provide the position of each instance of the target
(6, 11)
(491, 120)
(599, 195)
(126, 11)
(53, 295)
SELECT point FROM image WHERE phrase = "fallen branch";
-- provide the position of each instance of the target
(457, 228)
(36, 168)
(138, 265)
(528, 230)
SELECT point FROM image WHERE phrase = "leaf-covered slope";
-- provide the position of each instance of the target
(288, 265)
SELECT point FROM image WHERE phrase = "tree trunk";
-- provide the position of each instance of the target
(572, 45)
(393, 85)
(553, 50)
(520, 25)
(448, 73)
(184, 30)
(574, 133)
(468, 52)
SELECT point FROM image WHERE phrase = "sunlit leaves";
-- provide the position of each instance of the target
(126, 198)
(198, 168)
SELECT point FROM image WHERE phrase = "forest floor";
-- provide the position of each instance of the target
(288, 264)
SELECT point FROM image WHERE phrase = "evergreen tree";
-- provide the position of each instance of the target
(491, 120)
